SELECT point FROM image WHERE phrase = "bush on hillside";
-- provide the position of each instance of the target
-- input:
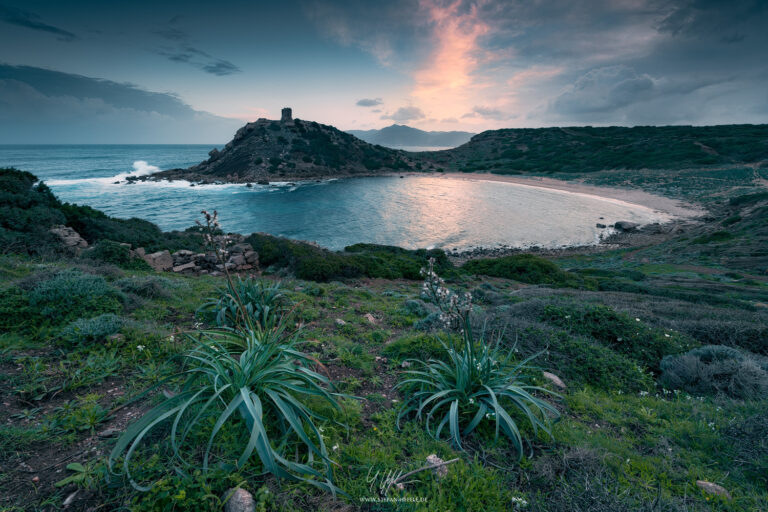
(116, 254)
(626, 335)
(314, 263)
(528, 268)
(72, 294)
(91, 330)
(713, 369)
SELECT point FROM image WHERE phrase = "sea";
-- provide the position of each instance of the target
(411, 212)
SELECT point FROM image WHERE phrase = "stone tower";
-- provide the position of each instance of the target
(287, 115)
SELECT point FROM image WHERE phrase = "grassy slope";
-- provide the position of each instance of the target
(623, 444)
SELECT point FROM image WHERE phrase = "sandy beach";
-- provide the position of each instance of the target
(673, 207)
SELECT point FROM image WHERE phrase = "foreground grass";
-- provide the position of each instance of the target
(623, 443)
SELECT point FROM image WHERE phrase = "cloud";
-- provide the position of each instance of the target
(184, 52)
(488, 113)
(605, 89)
(43, 106)
(369, 102)
(404, 114)
(32, 21)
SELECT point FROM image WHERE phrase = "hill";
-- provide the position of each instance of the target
(401, 135)
(291, 150)
(588, 149)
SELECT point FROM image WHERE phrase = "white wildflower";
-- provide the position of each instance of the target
(140, 348)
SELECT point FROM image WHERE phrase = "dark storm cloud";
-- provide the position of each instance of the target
(26, 19)
(369, 102)
(185, 53)
(52, 107)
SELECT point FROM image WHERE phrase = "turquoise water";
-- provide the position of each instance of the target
(411, 212)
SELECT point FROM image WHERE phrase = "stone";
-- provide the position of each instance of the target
(440, 471)
(238, 500)
(116, 338)
(237, 259)
(241, 248)
(340, 322)
(626, 226)
(252, 258)
(182, 256)
(160, 261)
(69, 238)
(713, 488)
(554, 379)
(140, 252)
(601, 226)
(371, 319)
(184, 267)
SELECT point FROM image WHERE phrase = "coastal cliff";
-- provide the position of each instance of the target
(291, 149)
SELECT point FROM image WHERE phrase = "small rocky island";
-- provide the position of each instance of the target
(291, 149)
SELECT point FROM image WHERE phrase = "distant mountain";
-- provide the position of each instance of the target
(400, 135)
(289, 149)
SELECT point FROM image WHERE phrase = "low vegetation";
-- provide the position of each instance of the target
(130, 389)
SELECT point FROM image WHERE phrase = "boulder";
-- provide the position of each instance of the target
(185, 267)
(713, 488)
(69, 238)
(601, 226)
(252, 258)
(241, 248)
(182, 256)
(239, 500)
(626, 226)
(237, 259)
(554, 379)
(160, 261)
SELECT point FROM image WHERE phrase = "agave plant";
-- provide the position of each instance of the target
(260, 390)
(245, 303)
(475, 382)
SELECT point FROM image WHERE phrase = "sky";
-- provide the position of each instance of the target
(194, 71)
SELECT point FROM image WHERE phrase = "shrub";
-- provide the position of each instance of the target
(149, 287)
(72, 294)
(579, 360)
(475, 384)
(717, 236)
(528, 268)
(89, 330)
(15, 311)
(418, 346)
(118, 254)
(251, 388)
(416, 307)
(618, 331)
(716, 369)
(262, 303)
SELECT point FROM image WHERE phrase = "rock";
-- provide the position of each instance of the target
(238, 500)
(140, 252)
(554, 379)
(601, 226)
(116, 338)
(160, 261)
(626, 226)
(182, 256)
(340, 322)
(405, 364)
(109, 432)
(713, 488)
(69, 238)
(371, 319)
(241, 248)
(184, 267)
(252, 257)
(262, 182)
(441, 471)
(237, 260)
(214, 154)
